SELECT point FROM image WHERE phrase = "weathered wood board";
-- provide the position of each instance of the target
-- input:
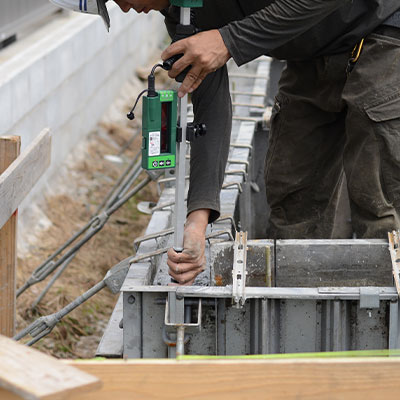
(23, 173)
(30, 374)
(306, 379)
(9, 150)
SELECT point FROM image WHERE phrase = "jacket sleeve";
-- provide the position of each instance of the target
(274, 26)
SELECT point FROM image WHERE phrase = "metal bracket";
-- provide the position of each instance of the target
(241, 162)
(233, 184)
(181, 327)
(167, 180)
(190, 326)
(238, 172)
(239, 272)
(241, 145)
(158, 252)
(369, 297)
(138, 241)
(161, 206)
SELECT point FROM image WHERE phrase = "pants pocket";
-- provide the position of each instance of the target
(384, 116)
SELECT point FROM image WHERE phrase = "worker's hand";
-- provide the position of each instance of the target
(185, 266)
(205, 52)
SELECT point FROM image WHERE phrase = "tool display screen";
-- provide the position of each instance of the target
(165, 127)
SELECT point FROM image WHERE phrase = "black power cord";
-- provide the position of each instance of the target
(151, 90)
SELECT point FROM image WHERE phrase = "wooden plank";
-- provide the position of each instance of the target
(23, 173)
(33, 375)
(9, 150)
(394, 243)
(354, 379)
(7, 395)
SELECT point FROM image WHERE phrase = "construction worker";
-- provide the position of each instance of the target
(337, 112)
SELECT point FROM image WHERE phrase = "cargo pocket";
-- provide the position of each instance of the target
(385, 120)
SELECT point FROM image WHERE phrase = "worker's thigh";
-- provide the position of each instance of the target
(304, 161)
(372, 153)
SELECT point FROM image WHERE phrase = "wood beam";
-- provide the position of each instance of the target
(9, 150)
(353, 379)
(23, 173)
(29, 374)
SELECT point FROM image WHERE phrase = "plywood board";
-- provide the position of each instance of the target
(33, 375)
(23, 173)
(245, 379)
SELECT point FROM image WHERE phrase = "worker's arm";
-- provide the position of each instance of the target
(209, 154)
(260, 33)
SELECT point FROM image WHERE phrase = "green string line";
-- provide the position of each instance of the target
(334, 354)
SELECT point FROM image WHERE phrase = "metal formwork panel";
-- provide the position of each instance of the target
(265, 326)
(314, 263)
(132, 325)
(274, 319)
(394, 325)
(205, 340)
(371, 328)
(298, 321)
(153, 327)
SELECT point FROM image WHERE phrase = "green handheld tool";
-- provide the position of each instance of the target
(159, 125)
(159, 130)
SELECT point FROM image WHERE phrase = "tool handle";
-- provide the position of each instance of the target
(182, 32)
(167, 65)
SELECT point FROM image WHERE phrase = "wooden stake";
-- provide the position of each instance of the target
(9, 150)
(17, 181)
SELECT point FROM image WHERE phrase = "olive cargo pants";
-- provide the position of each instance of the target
(326, 124)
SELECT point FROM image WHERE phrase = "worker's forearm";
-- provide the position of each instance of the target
(198, 220)
(274, 26)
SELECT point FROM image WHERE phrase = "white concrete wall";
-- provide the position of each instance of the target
(67, 77)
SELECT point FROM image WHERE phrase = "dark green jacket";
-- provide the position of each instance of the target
(302, 29)
(292, 29)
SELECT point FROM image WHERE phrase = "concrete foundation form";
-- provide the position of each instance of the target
(301, 295)
(276, 319)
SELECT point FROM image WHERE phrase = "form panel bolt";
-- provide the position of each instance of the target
(131, 299)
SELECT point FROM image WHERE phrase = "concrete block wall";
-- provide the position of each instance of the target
(67, 78)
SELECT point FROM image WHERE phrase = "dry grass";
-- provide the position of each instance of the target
(89, 180)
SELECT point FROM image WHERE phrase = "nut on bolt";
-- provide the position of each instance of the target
(131, 299)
